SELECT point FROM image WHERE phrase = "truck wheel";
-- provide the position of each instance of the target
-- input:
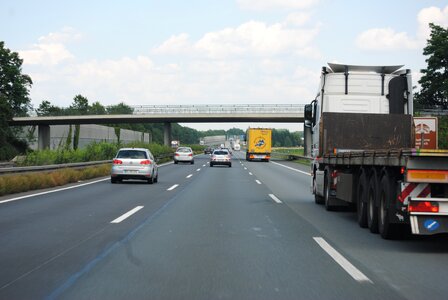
(317, 199)
(327, 189)
(372, 211)
(361, 209)
(387, 229)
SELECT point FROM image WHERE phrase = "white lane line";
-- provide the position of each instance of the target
(245, 168)
(275, 198)
(198, 170)
(342, 261)
(299, 171)
(53, 191)
(257, 181)
(250, 173)
(173, 187)
(127, 215)
(189, 176)
(203, 165)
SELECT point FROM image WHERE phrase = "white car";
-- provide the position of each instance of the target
(183, 154)
(221, 157)
(134, 163)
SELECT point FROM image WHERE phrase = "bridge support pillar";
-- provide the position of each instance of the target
(307, 141)
(43, 137)
(167, 134)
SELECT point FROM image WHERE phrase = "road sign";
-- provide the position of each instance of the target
(426, 133)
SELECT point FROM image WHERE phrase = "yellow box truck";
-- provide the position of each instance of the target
(259, 144)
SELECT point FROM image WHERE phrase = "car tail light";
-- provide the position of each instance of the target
(176, 154)
(145, 162)
(117, 162)
(423, 206)
(190, 154)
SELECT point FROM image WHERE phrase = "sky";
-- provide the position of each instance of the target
(208, 51)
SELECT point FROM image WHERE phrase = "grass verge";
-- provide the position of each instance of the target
(18, 183)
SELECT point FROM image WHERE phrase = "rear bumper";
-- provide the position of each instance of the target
(221, 163)
(429, 223)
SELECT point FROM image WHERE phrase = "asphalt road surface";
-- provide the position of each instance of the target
(251, 231)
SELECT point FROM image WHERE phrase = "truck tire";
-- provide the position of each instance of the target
(327, 189)
(317, 199)
(372, 210)
(361, 203)
(387, 229)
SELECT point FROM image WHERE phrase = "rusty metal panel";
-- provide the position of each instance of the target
(356, 132)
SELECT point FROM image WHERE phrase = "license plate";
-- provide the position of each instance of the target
(259, 156)
(131, 171)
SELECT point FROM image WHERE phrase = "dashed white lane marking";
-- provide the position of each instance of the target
(245, 168)
(203, 165)
(127, 215)
(197, 170)
(342, 261)
(299, 171)
(189, 176)
(273, 197)
(53, 191)
(250, 173)
(173, 187)
(257, 181)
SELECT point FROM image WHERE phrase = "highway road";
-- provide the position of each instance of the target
(247, 232)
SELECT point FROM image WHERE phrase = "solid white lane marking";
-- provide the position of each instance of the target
(52, 191)
(189, 175)
(299, 171)
(127, 215)
(198, 170)
(257, 181)
(173, 187)
(342, 261)
(250, 173)
(275, 198)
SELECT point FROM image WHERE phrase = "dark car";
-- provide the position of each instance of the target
(208, 150)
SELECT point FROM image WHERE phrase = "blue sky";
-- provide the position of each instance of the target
(206, 52)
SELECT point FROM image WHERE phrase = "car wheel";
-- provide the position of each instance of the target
(192, 162)
(175, 162)
(372, 209)
(230, 165)
(151, 180)
(113, 180)
(361, 209)
(156, 179)
(211, 165)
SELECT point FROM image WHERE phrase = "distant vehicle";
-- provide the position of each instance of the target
(175, 144)
(208, 150)
(134, 163)
(237, 147)
(183, 154)
(259, 142)
(221, 157)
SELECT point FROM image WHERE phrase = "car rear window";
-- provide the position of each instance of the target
(132, 154)
(184, 150)
(221, 152)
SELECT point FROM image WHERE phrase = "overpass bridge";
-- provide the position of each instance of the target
(167, 114)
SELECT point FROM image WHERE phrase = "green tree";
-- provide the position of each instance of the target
(14, 99)
(97, 109)
(434, 82)
(119, 109)
(47, 109)
(80, 105)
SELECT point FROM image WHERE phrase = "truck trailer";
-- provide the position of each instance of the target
(364, 156)
(259, 144)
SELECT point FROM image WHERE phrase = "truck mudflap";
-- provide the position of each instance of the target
(428, 216)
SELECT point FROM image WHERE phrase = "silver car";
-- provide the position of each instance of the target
(221, 157)
(134, 163)
(183, 154)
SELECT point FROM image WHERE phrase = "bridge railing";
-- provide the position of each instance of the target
(218, 109)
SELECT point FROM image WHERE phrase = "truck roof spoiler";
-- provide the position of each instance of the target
(339, 68)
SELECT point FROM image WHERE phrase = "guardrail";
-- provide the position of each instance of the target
(13, 170)
(288, 156)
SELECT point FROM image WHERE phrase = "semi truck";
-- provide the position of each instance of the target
(259, 144)
(364, 156)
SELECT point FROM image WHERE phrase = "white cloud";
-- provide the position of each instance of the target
(385, 39)
(50, 50)
(249, 39)
(434, 15)
(389, 39)
(275, 4)
(298, 18)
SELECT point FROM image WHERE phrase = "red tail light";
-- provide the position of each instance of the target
(117, 162)
(145, 162)
(176, 154)
(423, 206)
(190, 154)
